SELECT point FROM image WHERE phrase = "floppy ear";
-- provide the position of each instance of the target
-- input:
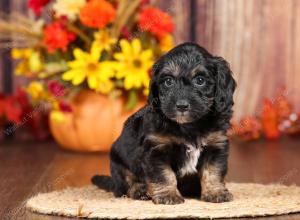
(225, 86)
(153, 98)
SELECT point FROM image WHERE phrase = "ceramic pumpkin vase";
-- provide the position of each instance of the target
(94, 123)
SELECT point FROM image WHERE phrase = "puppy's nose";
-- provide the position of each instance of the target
(182, 105)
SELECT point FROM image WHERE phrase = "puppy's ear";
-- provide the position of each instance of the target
(225, 85)
(153, 98)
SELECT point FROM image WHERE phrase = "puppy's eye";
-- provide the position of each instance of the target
(169, 82)
(199, 81)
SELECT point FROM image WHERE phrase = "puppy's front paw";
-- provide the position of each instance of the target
(217, 196)
(168, 199)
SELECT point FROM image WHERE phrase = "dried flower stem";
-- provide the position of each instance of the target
(80, 33)
(7, 28)
(125, 11)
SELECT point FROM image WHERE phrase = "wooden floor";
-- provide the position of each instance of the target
(29, 168)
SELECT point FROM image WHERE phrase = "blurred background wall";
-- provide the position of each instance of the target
(259, 38)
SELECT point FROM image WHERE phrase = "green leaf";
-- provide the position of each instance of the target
(132, 100)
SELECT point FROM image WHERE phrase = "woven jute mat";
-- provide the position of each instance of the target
(250, 200)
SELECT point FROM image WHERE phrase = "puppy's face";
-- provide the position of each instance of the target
(185, 93)
(187, 83)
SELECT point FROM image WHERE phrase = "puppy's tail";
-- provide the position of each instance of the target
(103, 182)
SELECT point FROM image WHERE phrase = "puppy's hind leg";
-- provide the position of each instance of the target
(118, 174)
(138, 191)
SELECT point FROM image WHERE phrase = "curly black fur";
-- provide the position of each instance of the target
(176, 145)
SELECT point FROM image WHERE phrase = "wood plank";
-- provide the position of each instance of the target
(294, 80)
(260, 39)
(180, 11)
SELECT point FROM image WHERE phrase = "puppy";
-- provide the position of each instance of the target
(176, 145)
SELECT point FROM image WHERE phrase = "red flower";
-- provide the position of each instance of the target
(10, 109)
(37, 5)
(16, 111)
(2, 105)
(97, 13)
(22, 98)
(155, 21)
(57, 37)
(65, 107)
(145, 2)
(125, 33)
(56, 88)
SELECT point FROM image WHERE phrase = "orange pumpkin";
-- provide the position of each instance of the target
(93, 125)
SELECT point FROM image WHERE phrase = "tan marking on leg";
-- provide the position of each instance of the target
(211, 180)
(212, 185)
(136, 190)
(165, 192)
(130, 177)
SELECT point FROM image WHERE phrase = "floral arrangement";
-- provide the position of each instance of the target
(107, 46)
(276, 118)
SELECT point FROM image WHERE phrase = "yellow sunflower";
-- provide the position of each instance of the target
(133, 64)
(86, 66)
(103, 40)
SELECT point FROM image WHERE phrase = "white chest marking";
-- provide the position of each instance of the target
(192, 156)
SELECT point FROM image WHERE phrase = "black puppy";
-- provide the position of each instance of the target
(177, 145)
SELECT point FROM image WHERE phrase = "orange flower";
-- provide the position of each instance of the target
(155, 21)
(57, 37)
(166, 42)
(97, 13)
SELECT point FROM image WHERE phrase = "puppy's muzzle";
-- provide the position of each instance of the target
(182, 106)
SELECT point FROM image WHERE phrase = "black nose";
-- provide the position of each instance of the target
(182, 105)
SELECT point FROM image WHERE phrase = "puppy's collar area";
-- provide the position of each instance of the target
(192, 147)
(193, 153)
(189, 148)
